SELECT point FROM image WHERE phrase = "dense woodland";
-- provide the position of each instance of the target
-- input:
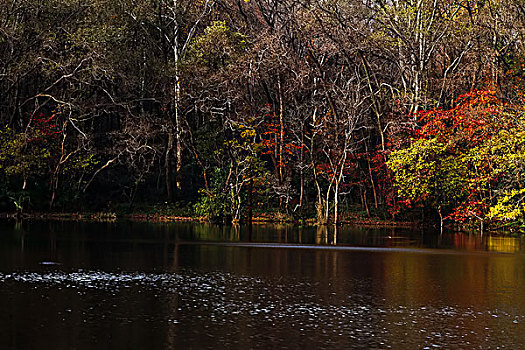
(400, 109)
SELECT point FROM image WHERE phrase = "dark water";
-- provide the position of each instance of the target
(66, 285)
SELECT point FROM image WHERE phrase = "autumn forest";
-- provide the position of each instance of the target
(226, 109)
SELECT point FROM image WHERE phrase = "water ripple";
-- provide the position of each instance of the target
(218, 302)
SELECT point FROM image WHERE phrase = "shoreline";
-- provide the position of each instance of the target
(157, 218)
(260, 219)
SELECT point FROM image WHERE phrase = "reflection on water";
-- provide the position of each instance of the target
(209, 309)
(505, 244)
(73, 285)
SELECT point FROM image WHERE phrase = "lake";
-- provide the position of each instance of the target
(78, 285)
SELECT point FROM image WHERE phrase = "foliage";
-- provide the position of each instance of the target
(213, 204)
(21, 154)
(510, 206)
(218, 46)
(429, 172)
(467, 160)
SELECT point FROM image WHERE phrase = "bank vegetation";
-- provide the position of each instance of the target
(402, 110)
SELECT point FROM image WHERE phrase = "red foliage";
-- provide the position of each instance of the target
(44, 128)
(472, 120)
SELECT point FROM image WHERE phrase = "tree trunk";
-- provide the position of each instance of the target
(372, 182)
(250, 202)
(178, 132)
(321, 217)
(281, 143)
(301, 173)
(336, 204)
(167, 166)
(440, 220)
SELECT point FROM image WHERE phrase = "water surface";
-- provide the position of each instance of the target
(128, 285)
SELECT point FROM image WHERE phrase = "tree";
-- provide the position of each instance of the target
(463, 162)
